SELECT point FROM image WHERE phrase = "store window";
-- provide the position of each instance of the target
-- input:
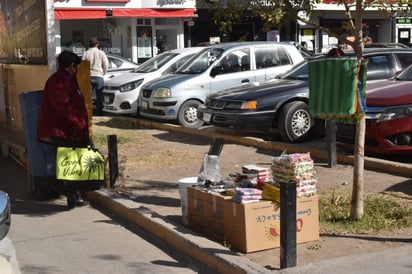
(370, 28)
(166, 21)
(141, 21)
(144, 43)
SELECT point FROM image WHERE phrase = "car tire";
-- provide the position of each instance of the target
(295, 122)
(187, 116)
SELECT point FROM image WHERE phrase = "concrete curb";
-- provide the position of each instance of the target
(210, 253)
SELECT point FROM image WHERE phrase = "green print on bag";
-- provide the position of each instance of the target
(79, 164)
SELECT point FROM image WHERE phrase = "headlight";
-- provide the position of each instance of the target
(130, 86)
(249, 105)
(395, 113)
(162, 93)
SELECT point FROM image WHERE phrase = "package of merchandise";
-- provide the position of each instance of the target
(264, 173)
(244, 180)
(271, 192)
(297, 167)
(247, 195)
(292, 167)
(306, 187)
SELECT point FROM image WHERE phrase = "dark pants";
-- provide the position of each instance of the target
(97, 88)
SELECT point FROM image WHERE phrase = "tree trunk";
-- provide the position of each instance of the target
(356, 211)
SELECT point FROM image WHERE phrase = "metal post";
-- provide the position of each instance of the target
(331, 142)
(287, 224)
(113, 159)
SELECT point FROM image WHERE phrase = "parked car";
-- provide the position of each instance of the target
(281, 105)
(388, 117)
(117, 65)
(8, 258)
(276, 106)
(120, 94)
(385, 45)
(175, 97)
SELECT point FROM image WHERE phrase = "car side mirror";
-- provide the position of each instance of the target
(5, 214)
(216, 70)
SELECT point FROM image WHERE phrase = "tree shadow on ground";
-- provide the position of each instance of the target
(404, 187)
(178, 137)
(142, 192)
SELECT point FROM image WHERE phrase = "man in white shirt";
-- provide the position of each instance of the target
(98, 68)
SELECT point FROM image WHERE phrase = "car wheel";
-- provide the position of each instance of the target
(295, 122)
(187, 116)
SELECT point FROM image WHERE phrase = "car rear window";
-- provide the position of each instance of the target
(380, 67)
(405, 59)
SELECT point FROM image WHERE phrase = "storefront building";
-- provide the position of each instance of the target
(375, 27)
(327, 13)
(134, 29)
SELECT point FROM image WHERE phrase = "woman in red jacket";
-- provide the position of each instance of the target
(63, 118)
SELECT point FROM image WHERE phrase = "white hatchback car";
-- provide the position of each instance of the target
(121, 93)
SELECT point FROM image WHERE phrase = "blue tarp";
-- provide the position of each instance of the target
(41, 156)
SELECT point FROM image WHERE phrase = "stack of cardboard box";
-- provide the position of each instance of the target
(248, 227)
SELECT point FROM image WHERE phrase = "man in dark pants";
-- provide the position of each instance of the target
(98, 68)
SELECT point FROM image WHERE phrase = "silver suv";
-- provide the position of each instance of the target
(176, 96)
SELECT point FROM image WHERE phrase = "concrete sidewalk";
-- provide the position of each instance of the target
(222, 259)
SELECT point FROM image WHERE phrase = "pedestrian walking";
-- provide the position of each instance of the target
(98, 68)
(63, 118)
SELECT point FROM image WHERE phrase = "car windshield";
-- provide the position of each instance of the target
(201, 61)
(405, 75)
(299, 72)
(155, 63)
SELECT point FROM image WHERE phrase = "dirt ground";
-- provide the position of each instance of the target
(156, 159)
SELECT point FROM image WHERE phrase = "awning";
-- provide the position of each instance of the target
(153, 13)
(68, 14)
(101, 13)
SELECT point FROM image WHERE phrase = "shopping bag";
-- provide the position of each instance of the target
(210, 169)
(79, 164)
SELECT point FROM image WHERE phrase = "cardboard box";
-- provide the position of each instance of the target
(256, 226)
(205, 213)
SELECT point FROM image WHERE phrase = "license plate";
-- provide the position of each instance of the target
(106, 99)
(145, 105)
(207, 117)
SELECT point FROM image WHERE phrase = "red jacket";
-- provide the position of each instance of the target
(63, 110)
